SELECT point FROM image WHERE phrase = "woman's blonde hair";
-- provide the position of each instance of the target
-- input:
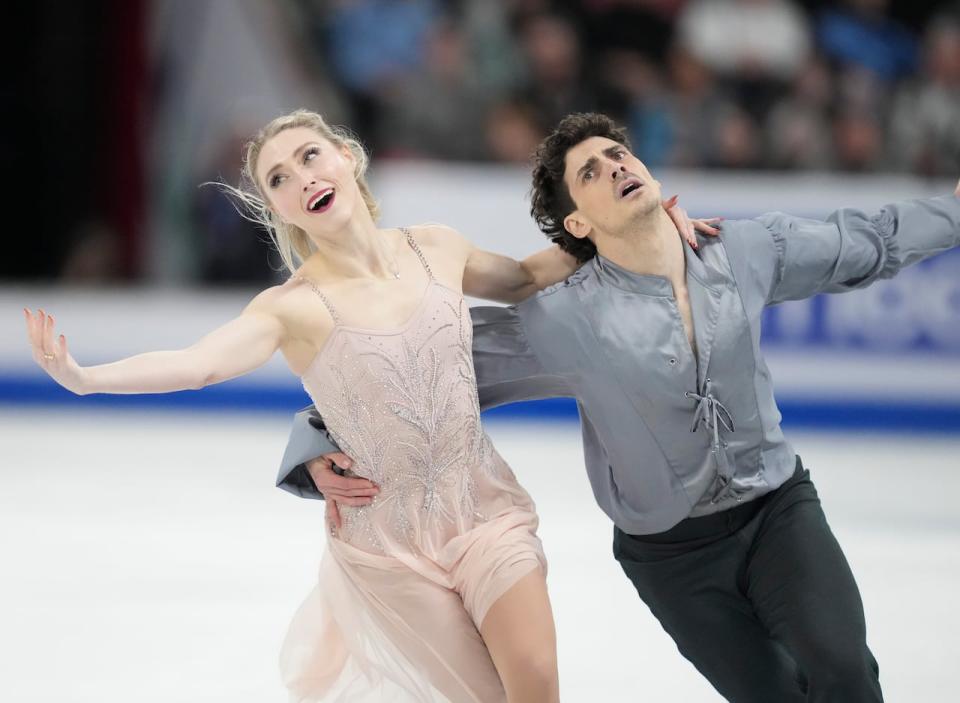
(292, 243)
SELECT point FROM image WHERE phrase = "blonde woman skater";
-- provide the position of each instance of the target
(433, 587)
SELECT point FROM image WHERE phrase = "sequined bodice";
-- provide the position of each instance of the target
(403, 404)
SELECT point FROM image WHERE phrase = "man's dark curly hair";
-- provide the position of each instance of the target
(550, 200)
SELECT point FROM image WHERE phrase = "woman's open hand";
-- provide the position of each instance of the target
(687, 227)
(50, 351)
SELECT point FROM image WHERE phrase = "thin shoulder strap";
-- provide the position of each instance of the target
(416, 248)
(332, 310)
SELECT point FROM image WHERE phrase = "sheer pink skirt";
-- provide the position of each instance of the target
(381, 628)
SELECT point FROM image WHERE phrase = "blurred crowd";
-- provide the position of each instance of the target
(733, 84)
(858, 85)
(852, 86)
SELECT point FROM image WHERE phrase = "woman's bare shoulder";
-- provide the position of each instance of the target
(439, 236)
(277, 299)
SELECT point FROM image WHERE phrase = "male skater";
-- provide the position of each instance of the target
(717, 523)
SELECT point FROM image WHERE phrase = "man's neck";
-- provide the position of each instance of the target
(653, 248)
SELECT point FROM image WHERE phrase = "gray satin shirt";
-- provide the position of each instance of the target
(667, 436)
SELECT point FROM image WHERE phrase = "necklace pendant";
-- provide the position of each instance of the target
(397, 275)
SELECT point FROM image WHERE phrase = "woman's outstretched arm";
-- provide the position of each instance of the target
(236, 348)
(505, 280)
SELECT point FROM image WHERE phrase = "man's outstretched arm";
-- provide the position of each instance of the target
(791, 258)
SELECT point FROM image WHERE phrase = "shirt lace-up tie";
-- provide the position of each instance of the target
(714, 415)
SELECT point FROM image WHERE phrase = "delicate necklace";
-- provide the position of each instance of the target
(396, 268)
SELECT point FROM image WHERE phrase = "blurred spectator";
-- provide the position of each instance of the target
(513, 132)
(926, 117)
(761, 39)
(860, 34)
(860, 89)
(495, 55)
(233, 250)
(692, 106)
(645, 26)
(439, 111)
(858, 140)
(756, 46)
(735, 140)
(797, 131)
(372, 43)
(555, 84)
(631, 86)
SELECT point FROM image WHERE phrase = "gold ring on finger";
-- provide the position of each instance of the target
(49, 357)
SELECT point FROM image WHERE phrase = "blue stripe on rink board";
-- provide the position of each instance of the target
(903, 416)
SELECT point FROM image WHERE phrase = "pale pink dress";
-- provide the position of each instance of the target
(406, 582)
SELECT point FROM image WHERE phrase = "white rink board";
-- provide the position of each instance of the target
(105, 325)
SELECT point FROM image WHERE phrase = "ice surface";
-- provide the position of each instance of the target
(147, 557)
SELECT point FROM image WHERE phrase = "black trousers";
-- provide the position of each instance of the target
(760, 599)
